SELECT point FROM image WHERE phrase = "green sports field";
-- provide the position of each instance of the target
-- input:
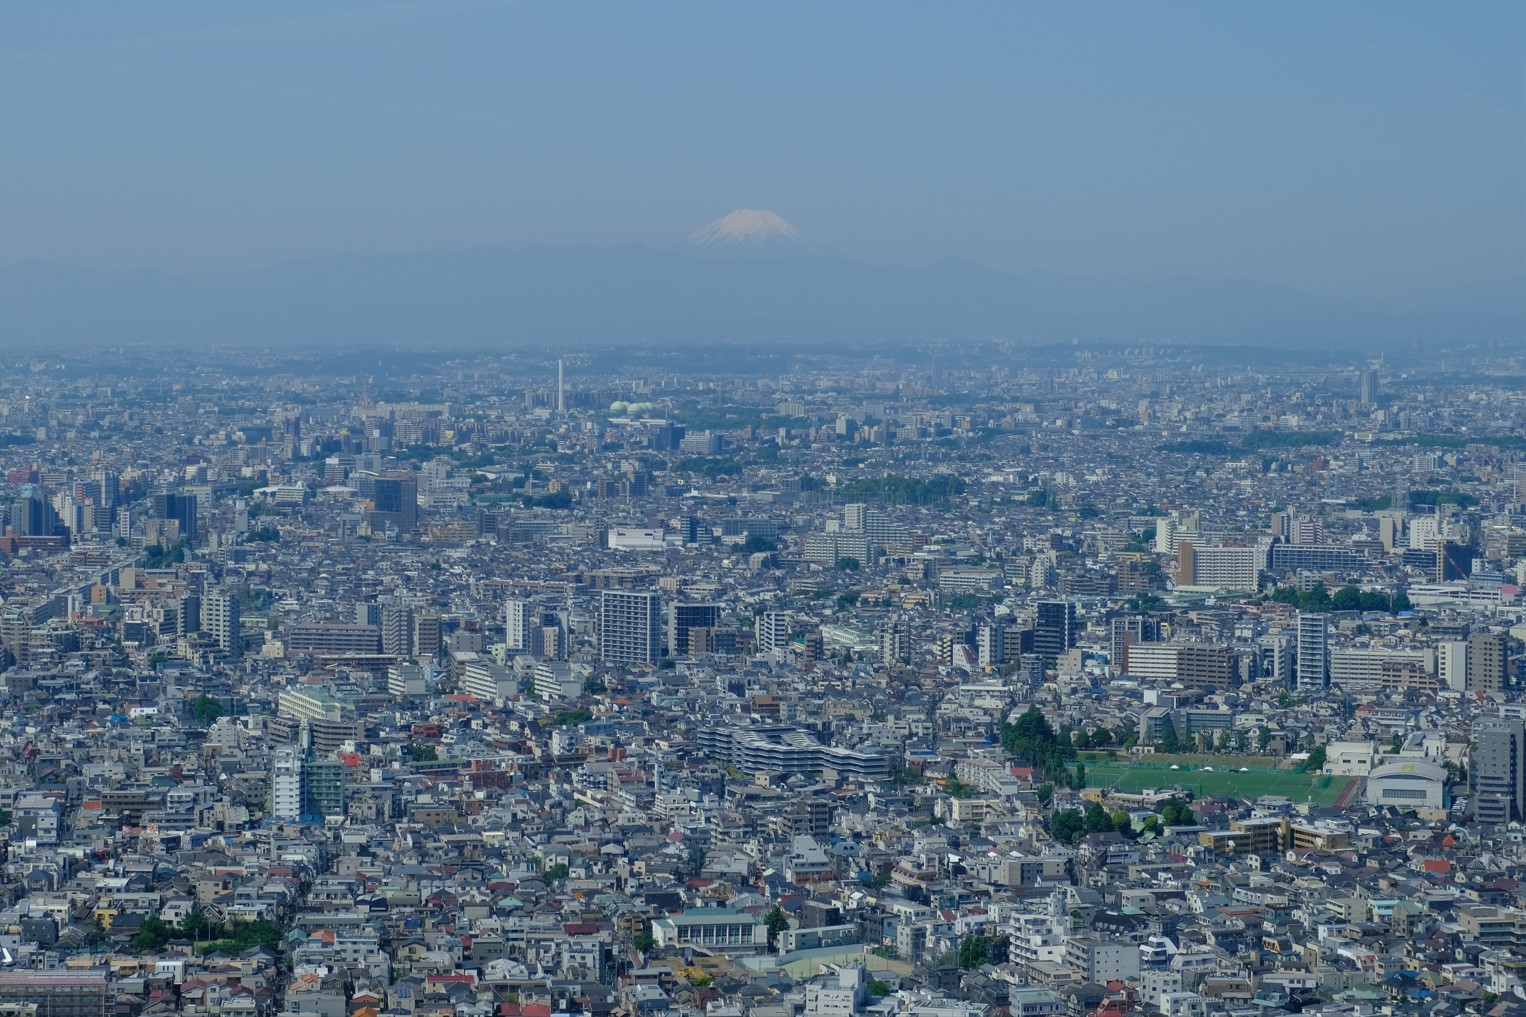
(1220, 782)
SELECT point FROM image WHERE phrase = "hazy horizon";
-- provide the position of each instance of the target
(1343, 150)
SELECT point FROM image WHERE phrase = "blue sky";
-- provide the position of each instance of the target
(1356, 147)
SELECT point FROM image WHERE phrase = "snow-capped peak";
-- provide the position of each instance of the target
(747, 227)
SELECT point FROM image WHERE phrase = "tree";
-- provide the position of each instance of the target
(1263, 737)
(1032, 738)
(973, 951)
(775, 923)
(560, 870)
(1347, 598)
(1175, 812)
(1316, 759)
(1097, 819)
(423, 753)
(1067, 826)
(152, 934)
(878, 988)
(644, 941)
(848, 564)
(1046, 794)
(1123, 822)
(1080, 775)
(206, 710)
(197, 924)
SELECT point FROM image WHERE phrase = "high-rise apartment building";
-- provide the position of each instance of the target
(895, 643)
(1222, 568)
(630, 627)
(1496, 771)
(220, 619)
(305, 789)
(991, 645)
(1055, 628)
(773, 631)
(1311, 672)
(1487, 660)
(286, 783)
(517, 621)
(426, 633)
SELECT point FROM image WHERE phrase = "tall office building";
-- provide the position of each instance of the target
(1496, 769)
(396, 498)
(1367, 387)
(1055, 628)
(517, 620)
(630, 627)
(682, 618)
(31, 516)
(1486, 662)
(179, 507)
(1311, 673)
(104, 491)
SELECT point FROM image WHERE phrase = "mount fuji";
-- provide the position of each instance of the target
(752, 231)
(749, 276)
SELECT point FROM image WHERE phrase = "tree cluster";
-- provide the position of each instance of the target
(1032, 738)
(1347, 598)
(221, 937)
(1070, 825)
(934, 490)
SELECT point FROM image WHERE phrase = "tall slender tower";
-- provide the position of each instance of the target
(1312, 669)
(561, 388)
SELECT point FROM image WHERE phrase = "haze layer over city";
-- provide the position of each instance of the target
(776, 511)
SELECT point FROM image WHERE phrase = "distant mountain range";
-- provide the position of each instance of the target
(766, 287)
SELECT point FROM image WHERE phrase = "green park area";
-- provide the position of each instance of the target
(1221, 781)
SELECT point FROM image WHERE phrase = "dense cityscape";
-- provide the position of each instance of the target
(964, 680)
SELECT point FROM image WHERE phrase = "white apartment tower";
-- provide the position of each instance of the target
(773, 632)
(630, 627)
(1312, 670)
(516, 626)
